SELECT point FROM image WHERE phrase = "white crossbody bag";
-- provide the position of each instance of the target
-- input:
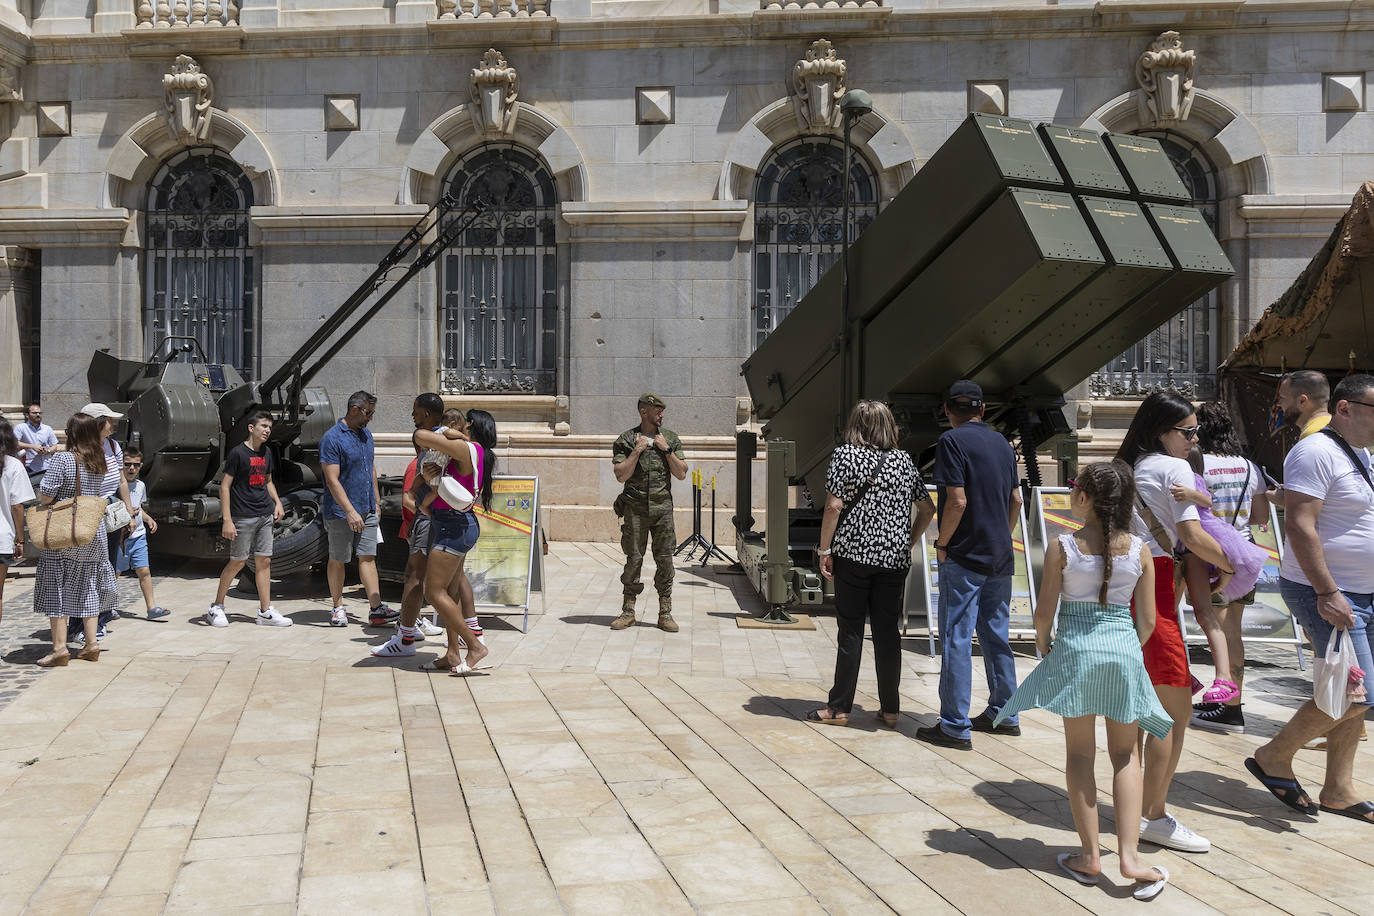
(454, 493)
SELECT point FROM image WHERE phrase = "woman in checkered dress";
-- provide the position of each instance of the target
(77, 581)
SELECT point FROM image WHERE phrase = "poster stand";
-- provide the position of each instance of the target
(507, 565)
(923, 587)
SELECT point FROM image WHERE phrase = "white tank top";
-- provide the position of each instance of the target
(1083, 573)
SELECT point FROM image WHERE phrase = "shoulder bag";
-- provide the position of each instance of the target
(68, 523)
(454, 493)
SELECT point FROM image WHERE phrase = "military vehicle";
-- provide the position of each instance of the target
(1023, 257)
(186, 412)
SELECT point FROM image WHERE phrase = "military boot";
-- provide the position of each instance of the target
(666, 623)
(627, 614)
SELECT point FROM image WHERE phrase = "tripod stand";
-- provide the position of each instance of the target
(696, 538)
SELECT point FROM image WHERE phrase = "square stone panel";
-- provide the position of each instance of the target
(654, 105)
(987, 97)
(54, 119)
(341, 112)
(1343, 92)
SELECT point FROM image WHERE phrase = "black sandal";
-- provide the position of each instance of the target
(1360, 811)
(1285, 790)
(832, 719)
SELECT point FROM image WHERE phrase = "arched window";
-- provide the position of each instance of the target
(798, 195)
(1181, 354)
(500, 321)
(200, 280)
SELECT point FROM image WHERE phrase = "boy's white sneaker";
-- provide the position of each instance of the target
(270, 618)
(338, 617)
(394, 647)
(215, 616)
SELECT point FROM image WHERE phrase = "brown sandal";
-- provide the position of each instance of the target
(890, 719)
(833, 718)
(89, 654)
(55, 660)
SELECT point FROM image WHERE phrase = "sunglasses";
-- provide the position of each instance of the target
(129, 464)
(1364, 403)
(1189, 432)
(366, 412)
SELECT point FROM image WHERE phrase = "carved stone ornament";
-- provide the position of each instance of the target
(1165, 74)
(817, 84)
(10, 85)
(495, 88)
(188, 94)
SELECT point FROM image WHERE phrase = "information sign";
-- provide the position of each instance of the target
(502, 566)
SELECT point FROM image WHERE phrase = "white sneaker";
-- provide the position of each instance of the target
(393, 648)
(270, 618)
(215, 616)
(338, 617)
(423, 628)
(1167, 832)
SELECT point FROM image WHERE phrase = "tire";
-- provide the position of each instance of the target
(298, 540)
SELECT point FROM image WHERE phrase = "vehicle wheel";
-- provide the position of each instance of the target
(298, 540)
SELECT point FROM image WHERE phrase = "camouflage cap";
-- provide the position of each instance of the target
(651, 399)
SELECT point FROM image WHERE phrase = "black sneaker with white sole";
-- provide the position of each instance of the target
(1219, 717)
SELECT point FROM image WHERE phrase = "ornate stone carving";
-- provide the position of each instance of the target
(817, 84)
(495, 88)
(1165, 74)
(10, 83)
(188, 94)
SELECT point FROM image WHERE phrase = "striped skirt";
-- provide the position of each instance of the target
(1094, 669)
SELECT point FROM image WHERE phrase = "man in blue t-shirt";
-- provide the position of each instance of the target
(350, 507)
(979, 506)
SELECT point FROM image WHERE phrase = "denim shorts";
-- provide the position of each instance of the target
(454, 532)
(133, 555)
(1302, 601)
(254, 537)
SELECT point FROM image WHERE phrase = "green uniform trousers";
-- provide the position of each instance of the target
(635, 530)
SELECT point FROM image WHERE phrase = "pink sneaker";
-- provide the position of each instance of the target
(1221, 692)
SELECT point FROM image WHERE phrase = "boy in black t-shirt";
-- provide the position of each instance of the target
(249, 505)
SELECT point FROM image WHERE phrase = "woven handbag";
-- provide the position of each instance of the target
(68, 523)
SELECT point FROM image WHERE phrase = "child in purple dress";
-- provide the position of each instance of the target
(1203, 579)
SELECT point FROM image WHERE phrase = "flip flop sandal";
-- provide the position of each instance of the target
(157, 612)
(437, 665)
(1359, 811)
(462, 670)
(1285, 790)
(1151, 891)
(833, 719)
(1081, 877)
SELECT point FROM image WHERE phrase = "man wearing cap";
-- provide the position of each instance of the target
(979, 505)
(643, 458)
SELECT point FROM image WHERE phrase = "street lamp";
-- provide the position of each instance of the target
(853, 105)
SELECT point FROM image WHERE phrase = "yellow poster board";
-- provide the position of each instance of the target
(502, 567)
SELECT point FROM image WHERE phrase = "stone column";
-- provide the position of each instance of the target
(16, 296)
(114, 15)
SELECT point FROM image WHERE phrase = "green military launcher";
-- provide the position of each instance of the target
(1021, 257)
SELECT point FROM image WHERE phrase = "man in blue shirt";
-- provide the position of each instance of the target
(350, 507)
(979, 506)
(36, 440)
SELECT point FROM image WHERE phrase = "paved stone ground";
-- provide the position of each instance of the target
(585, 771)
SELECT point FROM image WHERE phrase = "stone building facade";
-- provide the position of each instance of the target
(664, 174)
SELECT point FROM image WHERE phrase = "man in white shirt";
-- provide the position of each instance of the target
(15, 490)
(36, 439)
(1327, 580)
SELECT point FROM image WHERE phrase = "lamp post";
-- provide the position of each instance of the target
(853, 105)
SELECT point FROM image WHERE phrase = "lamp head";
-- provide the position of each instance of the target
(855, 103)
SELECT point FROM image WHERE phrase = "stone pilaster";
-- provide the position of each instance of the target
(16, 292)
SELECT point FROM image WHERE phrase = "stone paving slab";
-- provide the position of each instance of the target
(584, 771)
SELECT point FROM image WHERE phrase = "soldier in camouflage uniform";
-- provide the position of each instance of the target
(643, 458)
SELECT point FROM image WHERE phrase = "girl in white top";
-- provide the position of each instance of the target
(1094, 666)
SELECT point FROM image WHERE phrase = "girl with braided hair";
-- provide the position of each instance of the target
(1094, 666)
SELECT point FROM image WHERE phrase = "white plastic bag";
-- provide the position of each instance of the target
(1331, 675)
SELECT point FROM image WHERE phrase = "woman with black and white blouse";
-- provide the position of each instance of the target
(866, 549)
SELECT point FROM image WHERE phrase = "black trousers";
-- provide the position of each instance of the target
(873, 593)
